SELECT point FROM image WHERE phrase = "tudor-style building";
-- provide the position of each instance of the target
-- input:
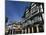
(33, 19)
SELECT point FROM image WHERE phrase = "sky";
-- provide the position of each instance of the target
(15, 10)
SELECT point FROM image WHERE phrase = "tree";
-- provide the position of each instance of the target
(6, 19)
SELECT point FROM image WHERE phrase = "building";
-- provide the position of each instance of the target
(14, 28)
(33, 20)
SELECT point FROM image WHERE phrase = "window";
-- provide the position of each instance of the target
(34, 9)
(41, 9)
(27, 15)
(27, 11)
(36, 19)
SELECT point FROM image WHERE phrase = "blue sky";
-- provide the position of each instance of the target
(15, 10)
